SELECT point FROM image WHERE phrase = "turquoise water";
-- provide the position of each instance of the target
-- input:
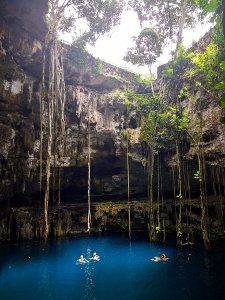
(49, 271)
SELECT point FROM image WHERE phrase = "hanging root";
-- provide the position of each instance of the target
(55, 96)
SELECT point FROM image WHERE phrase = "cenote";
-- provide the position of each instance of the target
(96, 157)
(125, 271)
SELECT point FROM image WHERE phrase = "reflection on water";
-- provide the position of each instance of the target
(125, 271)
(89, 278)
(45, 282)
(130, 275)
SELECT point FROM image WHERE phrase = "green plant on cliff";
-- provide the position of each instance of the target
(147, 135)
(216, 8)
(177, 121)
(162, 124)
(195, 132)
(206, 64)
(175, 67)
(221, 86)
(100, 16)
(79, 55)
(151, 133)
(144, 79)
(176, 127)
(154, 135)
(98, 67)
(143, 104)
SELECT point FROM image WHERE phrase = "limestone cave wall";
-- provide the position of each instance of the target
(22, 42)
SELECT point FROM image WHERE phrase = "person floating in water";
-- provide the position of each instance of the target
(82, 260)
(162, 257)
(95, 256)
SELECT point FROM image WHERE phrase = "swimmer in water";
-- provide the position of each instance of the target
(82, 260)
(95, 256)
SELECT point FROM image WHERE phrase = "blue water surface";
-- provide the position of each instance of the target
(48, 271)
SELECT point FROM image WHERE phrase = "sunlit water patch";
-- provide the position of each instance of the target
(125, 271)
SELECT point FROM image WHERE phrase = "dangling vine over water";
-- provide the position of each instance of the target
(100, 17)
(128, 182)
(218, 180)
(89, 171)
(55, 96)
(200, 175)
(162, 202)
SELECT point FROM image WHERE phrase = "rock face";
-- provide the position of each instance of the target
(21, 65)
(91, 89)
(26, 224)
(20, 46)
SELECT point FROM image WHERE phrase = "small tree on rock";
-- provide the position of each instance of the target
(148, 46)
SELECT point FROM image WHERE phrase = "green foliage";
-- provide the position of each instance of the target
(220, 85)
(162, 125)
(222, 101)
(99, 17)
(222, 120)
(49, 5)
(179, 196)
(125, 133)
(222, 65)
(129, 135)
(205, 63)
(209, 6)
(198, 84)
(146, 104)
(119, 96)
(197, 175)
(142, 102)
(176, 122)
(117, 77)
(175, 67)
(126, 96)
(183, 93)
(152, 126)
(157, 229)
(179, 234)
(148, 46)
(144, 79)
(181, 54)
(164, 16)
(98, 67)
(168, 71)
(79, 55)
(149, 130)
